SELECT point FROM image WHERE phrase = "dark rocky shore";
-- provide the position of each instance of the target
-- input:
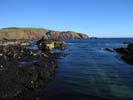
(24, 71)
(126, 53)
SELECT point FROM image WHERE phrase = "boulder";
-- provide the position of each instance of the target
(128, 59)
(122, 50)
(127, 53)
(130, 47)
(48, 44)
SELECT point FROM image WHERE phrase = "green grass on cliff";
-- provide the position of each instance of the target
(17, 29)
(17, 32)
(35, 30)
(13, 32)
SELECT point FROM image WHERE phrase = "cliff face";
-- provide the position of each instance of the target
(36, 33)
(66, 35)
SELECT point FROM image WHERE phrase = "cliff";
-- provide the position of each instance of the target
(37, 33)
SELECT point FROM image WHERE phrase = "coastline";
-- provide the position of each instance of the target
(27, 71)
(23, 71)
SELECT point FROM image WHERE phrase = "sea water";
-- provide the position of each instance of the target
(89, 72)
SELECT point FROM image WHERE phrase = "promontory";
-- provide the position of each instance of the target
(37, 33)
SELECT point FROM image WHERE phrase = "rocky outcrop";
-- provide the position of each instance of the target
(127, 53)
(47, 44)
(66, 35)
(14, 42)
(37, 33)
(24, 71)
(109, 49)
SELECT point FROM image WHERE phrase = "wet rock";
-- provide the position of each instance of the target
(48, 45)
(60, 44)
(130, 48)
(128, 59)
(109, 49)
(122, 50)
(127, 53)
(40, 41)
(20, 81)
(126, 42)
(21, 42)
(45, 45)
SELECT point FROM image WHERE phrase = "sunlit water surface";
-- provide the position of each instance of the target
(89, 72)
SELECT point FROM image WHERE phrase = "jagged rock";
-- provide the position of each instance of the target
(122, 50)
(109, 49)
(128, 59)
(50, 44)
(20, 80)
(127, 53)
(130, 47)
(66, 35)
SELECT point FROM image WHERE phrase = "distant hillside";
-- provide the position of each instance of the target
(37, 33)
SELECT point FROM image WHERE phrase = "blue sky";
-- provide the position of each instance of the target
(100, 18)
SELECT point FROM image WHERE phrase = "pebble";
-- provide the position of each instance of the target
(34, 54)
(32, 82)
(1, 54)
(1, 66)
(37, 98)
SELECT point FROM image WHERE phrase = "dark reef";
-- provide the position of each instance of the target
(24, 71)
(127, 53)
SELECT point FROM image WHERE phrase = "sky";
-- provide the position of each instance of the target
(99, 18)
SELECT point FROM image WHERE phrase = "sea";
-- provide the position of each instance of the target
(88, 72)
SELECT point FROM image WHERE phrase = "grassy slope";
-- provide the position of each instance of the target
(13, 32)
(28, 33)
